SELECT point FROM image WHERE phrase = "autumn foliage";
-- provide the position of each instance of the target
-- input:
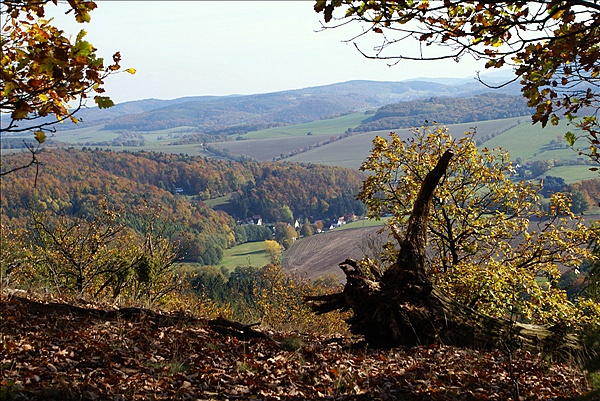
(492, 246)
(43, 70)
(74, 181)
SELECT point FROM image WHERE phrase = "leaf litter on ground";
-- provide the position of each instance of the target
(57, 351)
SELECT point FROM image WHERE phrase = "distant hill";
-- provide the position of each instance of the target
(494, 78)
(282, 108)
(242, 113)
(446, 110)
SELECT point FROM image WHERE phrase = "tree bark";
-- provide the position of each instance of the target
(402, 307)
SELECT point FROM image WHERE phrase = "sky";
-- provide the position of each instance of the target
(197, 48)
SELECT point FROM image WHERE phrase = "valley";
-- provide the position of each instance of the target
(342, 141)
(238, 234)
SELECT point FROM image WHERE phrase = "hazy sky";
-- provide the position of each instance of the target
(191, 48)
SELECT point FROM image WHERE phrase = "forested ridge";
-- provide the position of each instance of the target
(74, 181)
(290, 107)
(446, 110)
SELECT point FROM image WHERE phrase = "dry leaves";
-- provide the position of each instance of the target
(61, 353)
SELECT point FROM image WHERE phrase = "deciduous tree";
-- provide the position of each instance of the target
(45, 73)
(552, 46)
(285, 234)
(274, 249)
(469, 254)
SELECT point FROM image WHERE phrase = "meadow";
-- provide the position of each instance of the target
(333, 126)
(350, 152)
(531, 142)
(249, 254)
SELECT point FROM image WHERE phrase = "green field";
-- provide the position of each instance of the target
(333, 126)
(352, 151)
(573, 174)
(530, 142)
(349, 152)
(248, 254)
(217, 202)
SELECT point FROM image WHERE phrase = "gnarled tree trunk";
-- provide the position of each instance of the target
(402, 307)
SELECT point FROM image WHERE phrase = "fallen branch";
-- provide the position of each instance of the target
(238, 330)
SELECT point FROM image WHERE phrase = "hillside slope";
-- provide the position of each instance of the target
(321, 254)
(52, 350)
(349, 151)
(484, 107)
(76, 182)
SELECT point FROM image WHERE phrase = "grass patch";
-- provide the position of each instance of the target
(218, 202)
(530, 142)
(292, 343)
(572, 174)
(248, 254)
(184, 129)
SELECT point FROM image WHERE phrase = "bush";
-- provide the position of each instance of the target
(268, 295)
(94, 256)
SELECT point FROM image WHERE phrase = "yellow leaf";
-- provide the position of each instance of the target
(43, 97)
(558, 14)
(40, 136)
(131, 70)
(496, 42)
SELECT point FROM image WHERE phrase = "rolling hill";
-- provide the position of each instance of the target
(347, 151)
(447, 110)
(285, 107)
(238, 112)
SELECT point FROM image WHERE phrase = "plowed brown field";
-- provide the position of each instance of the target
(321, 254)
